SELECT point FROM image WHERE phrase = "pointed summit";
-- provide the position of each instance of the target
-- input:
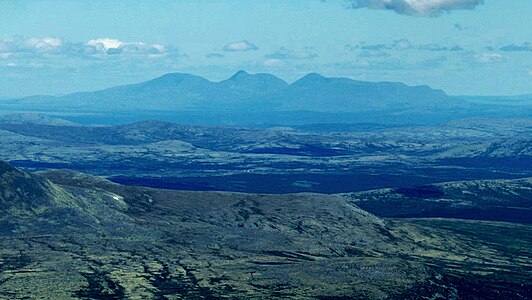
(311, 78)
(240, 74)
(258, 83)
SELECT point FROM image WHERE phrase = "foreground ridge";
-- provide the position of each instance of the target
(141, 242)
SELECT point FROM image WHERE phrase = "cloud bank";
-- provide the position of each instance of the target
(240, 46)
(287, 54)
(110, 46)
(424, 8)
(402, 44)
(405, 44)
(100, 48)
(17, 46)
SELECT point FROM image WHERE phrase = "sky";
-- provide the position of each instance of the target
(465, 47)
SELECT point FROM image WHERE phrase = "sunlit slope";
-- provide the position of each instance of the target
(31, 205)
(150, 243)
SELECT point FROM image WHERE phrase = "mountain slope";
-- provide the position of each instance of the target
(31, 205)
(317, 93)
(209, 245)
(26, 198)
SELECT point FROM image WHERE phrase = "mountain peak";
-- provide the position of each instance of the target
(311, 78)
(262, 82)
(240, 74)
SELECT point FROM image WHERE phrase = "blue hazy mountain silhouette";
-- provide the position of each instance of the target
(244, 91)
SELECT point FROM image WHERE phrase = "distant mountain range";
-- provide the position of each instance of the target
(247, 98)
(313, 92)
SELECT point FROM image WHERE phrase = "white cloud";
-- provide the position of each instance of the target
(417, 7)
(402, 44)
(489, 57)
(109, 47)
(48, 47)
(436, 47)
(240, 46)
(374, 53)
(44, 43)
(105, 44)
(274, 62)
(286, 54)
(15, 46)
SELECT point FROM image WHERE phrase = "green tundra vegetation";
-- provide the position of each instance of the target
(70, 235)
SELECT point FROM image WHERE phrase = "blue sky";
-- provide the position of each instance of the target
(469, 47)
